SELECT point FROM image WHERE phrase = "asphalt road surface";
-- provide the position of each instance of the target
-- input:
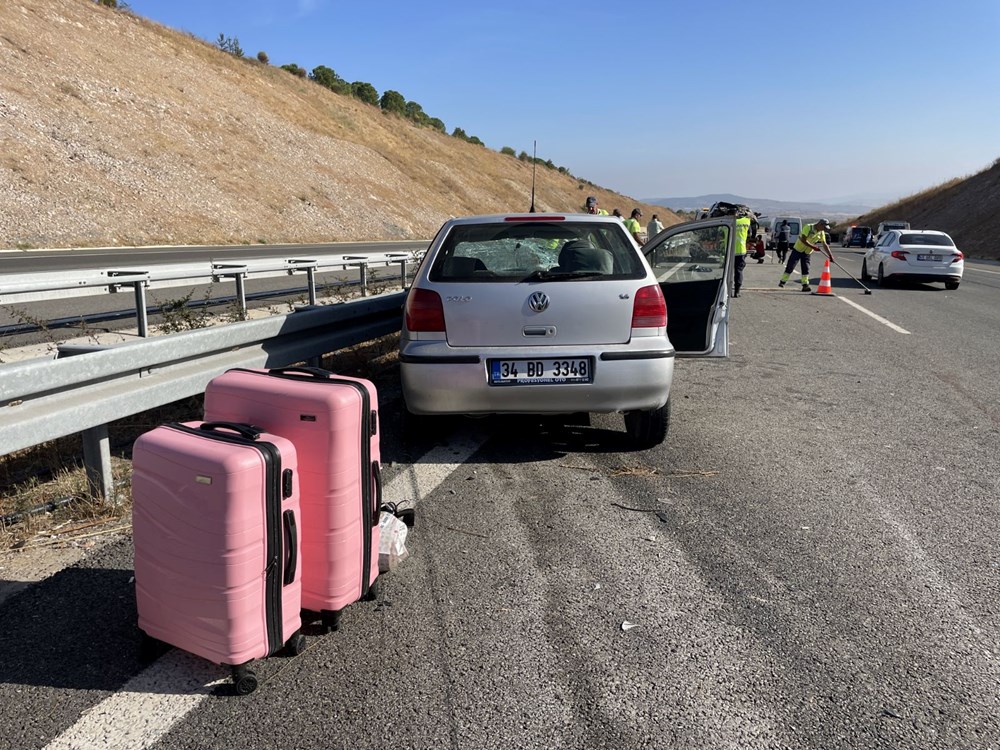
(810, 561)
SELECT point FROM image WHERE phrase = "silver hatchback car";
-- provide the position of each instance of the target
(554, 313)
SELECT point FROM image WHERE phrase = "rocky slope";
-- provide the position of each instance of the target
(965, 208)
(115, 130)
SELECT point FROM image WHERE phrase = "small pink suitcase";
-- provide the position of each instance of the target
(333, 422)
(215, 526)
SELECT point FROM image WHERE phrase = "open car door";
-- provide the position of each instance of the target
(693, 263)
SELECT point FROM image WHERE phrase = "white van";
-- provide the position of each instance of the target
(794, 226)
(885, 226)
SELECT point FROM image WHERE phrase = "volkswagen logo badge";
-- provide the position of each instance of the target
(539, 301)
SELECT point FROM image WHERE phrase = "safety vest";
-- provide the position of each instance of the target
(632, 225)
(742, 229)
(811, 234)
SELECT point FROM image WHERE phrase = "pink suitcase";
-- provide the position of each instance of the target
(333, 422)
(215, 526)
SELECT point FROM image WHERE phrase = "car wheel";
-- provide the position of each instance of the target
(865, 276)
(882, 280)
(951, 285)
(648, 428)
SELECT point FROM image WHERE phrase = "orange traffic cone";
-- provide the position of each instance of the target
(824, 281)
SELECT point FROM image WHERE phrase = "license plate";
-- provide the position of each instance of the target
(935, 258)
(541, 371)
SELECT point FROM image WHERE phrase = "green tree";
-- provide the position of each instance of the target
(416, 113)
(262, 57)
(393, 101)
(230, 44)
(475, 140)
(459, 133)
(295, 69)
(328, 78)
(365, 92)
(523, 156)
(508, 151)
(437, 124)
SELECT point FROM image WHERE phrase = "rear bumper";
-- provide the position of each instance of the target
(925, 277)
(439, 380)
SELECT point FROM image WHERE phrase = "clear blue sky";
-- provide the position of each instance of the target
(778, 99)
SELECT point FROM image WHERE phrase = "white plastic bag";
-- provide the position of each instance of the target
(392, 542)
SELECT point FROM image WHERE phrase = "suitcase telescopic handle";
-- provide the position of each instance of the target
(377, 476)
(291, 546)
(316, 372)
(244, 430)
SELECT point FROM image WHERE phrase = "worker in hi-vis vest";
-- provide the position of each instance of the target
(742, 230)
(812, 237)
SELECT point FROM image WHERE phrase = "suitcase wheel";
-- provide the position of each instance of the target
(244, 680)
(296, 644)
(331, 620)
(372, 594)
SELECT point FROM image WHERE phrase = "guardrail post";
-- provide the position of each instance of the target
(362, 271)
(96, 442)
(97, 460)
(142, 322)
(402, 267)
(236, 272)
(310, 269)
(241, 294)
(138, 280)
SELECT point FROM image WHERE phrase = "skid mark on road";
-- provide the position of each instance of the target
(869, 313)
(152, 702)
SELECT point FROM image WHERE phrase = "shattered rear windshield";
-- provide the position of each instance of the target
(551, 251)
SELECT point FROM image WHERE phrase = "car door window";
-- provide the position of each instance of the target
(692, 265)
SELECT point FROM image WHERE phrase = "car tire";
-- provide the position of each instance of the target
(882, 278)
(951, 285)
(865, 276)
(647, 429)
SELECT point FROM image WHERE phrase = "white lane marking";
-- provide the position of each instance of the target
(430, 470)
(879, 318)
(152, 702)
(144, 709)
(980, 270)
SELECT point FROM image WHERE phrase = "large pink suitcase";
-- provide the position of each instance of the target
(215, 526)
(333, 422)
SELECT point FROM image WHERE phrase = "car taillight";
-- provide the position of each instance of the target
(958, 257)
(424, 311)
(898, 254)
(649, 310)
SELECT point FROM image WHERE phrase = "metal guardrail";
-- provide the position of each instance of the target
(34, 287)
(44, 399)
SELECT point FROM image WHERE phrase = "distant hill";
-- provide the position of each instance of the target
(765, 206)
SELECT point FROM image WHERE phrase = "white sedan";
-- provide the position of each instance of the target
(914, 255)
(562, 314)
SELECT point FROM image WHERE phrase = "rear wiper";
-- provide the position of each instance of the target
(561, 275)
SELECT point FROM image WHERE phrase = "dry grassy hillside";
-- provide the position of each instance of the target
(119, 131)
(965, 208)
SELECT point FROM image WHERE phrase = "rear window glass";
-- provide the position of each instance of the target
(914, 238)
(557, 250)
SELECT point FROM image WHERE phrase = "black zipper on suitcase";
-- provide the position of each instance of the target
(369, 512)
(248, 435)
